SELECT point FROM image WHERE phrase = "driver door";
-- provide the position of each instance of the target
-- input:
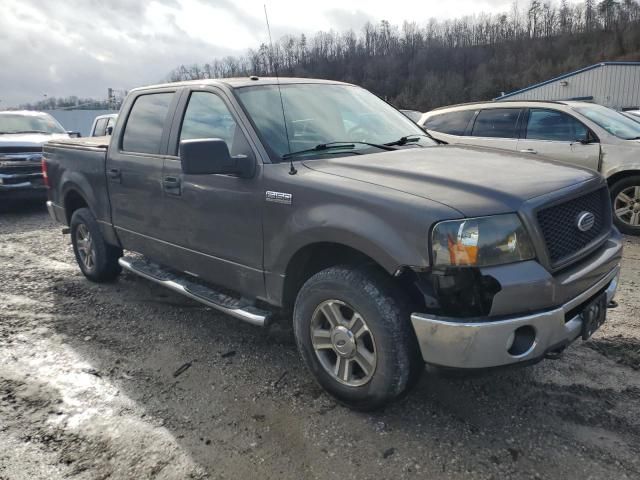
(216, 220)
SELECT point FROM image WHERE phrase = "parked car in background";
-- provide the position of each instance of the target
(580, 133)
(412, 114)
(22, 135)
(103, 125)
(387, 249)
(632, 114)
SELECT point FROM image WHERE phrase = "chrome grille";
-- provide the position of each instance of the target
(559, 224)
(13, 149)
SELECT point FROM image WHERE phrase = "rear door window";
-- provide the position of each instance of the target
(554, 126)
(452, 123)
(497, 123)
(143, 131)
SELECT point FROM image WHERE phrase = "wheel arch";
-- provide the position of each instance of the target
(611, 180)
(317, 256)
(72, 200)
(76, 192)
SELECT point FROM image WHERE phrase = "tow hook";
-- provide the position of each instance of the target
(554, 354)
(612, 304)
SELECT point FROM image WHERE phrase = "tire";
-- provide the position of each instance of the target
(88, 242)
(629, 221)
(350, 295)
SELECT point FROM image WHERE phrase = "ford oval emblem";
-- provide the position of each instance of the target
(585, 221)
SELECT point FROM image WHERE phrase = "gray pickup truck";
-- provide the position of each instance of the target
(317, 200)
(22, 135)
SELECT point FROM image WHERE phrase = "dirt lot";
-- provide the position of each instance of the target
(90, 387)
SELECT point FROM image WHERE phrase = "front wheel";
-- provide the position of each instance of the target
(625, 197)
(353, 331)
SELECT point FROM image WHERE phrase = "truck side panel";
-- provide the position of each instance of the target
(76, 173)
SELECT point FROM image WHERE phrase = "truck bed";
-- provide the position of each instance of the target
(78, 163)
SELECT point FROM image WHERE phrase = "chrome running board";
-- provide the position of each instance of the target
(236, 307)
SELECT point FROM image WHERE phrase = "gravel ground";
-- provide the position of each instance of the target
(129, 380)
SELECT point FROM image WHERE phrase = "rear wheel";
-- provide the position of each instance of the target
(97, 260)
(625, 197)
(353, 331)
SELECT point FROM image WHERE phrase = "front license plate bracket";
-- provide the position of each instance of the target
(594, 315)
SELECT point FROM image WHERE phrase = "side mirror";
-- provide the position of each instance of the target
(109, 130)
(208, 156)
(586, 140)
(73, 134)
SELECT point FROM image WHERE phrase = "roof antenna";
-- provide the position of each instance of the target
(292, 169)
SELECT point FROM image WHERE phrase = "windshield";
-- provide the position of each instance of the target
(17, 123)
(322, 114)
(613, 122)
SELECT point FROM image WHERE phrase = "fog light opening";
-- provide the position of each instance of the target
(524, 339)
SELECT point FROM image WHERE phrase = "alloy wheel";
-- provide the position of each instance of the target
(86, 249)
(627, 205)
(343, 343)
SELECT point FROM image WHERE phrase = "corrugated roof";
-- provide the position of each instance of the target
(566, 75)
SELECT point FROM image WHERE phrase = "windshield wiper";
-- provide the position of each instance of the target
(413, 138)
(335, 145)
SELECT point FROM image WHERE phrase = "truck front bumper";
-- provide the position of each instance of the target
(483, 343)
(22, 191)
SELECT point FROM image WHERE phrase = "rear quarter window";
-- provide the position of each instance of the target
(452, 123)
(143, 131)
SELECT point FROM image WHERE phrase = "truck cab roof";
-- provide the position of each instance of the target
(239, 82)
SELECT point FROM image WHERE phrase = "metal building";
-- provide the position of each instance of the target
(613, 84)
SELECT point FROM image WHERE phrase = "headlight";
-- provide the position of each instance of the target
(481, 242)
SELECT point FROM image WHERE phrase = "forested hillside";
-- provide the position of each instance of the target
(427, 63)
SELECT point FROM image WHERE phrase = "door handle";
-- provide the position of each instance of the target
(115, 174)
(528, 150)
(171, 185)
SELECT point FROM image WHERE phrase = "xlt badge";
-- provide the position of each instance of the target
(278, 197)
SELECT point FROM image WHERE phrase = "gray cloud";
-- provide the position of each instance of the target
(90, 46)
(82, 47)
(343, 20)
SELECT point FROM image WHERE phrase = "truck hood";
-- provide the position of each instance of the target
(28, 139)
(475, 181)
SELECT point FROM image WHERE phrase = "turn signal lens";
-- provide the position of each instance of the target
(463, 250)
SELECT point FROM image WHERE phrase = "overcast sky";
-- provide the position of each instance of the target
(82, 47)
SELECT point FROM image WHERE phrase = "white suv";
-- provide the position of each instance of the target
(584, 134)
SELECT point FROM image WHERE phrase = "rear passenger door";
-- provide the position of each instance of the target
(134, 172)
(496, 127)
(559, 136)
